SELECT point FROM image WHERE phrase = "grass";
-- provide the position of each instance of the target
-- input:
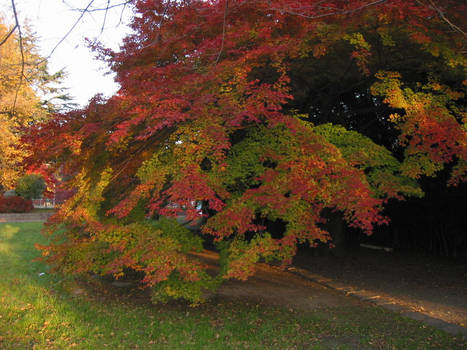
(39, 310)
(43, 210)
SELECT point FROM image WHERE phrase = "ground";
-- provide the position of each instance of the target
(281, 288)
(432, 286)
(411, 284)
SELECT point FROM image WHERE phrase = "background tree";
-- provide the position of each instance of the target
(23, 80)
(30, 186)
(9, 154)
(235, 104)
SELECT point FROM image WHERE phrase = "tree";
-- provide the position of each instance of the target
(9, 154)
(235, 104)
(30, 186)
(23, 77)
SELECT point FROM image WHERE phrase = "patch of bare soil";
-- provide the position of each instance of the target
(273, 286)
(270, 285)
(434, 287)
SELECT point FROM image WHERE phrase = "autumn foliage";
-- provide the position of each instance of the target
(23, 80)
(265, 112)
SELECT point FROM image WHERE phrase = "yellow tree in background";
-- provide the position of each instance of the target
(23, 77)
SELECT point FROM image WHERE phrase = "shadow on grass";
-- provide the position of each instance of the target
(44, 310)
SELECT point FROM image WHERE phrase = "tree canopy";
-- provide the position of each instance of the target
(265, 112)
(23, 78)
(30, 186)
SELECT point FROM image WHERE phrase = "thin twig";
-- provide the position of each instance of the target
(21, 48)
(342, 12)
(159, 25)
(223, 31)
(122, 12)
(104, 21)
(8, 35)
(103, 8)
(70, 30)
(161, 137)
(105, 17)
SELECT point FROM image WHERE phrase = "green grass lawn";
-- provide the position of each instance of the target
(43, 210)
(43, 311)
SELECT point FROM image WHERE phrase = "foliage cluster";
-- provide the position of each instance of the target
(267, 112)
(15, 204)
(30, 186)
(24, 79)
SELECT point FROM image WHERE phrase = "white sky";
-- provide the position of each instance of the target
(52, 19)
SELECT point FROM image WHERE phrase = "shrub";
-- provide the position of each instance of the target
(30, 186)
(15, 204)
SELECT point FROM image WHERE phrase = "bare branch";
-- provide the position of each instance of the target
(70, 30)
(88, 9)
(8, 35)
(21, 48)
(122, 12)
(104, 8)
(103, 21)
(105, 17)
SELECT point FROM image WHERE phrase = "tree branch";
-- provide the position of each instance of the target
(334, 13)
(223, 31)
(103, 21)
(104, 8)
(70, 30)
(8, 35)
(121, 13)
(444, 18)
(158, 35)
(21, 48)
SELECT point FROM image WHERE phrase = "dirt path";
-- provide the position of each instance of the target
(276, 287)
(428, 286)
(424, 289)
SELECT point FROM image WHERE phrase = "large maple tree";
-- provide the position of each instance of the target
(265, 112)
